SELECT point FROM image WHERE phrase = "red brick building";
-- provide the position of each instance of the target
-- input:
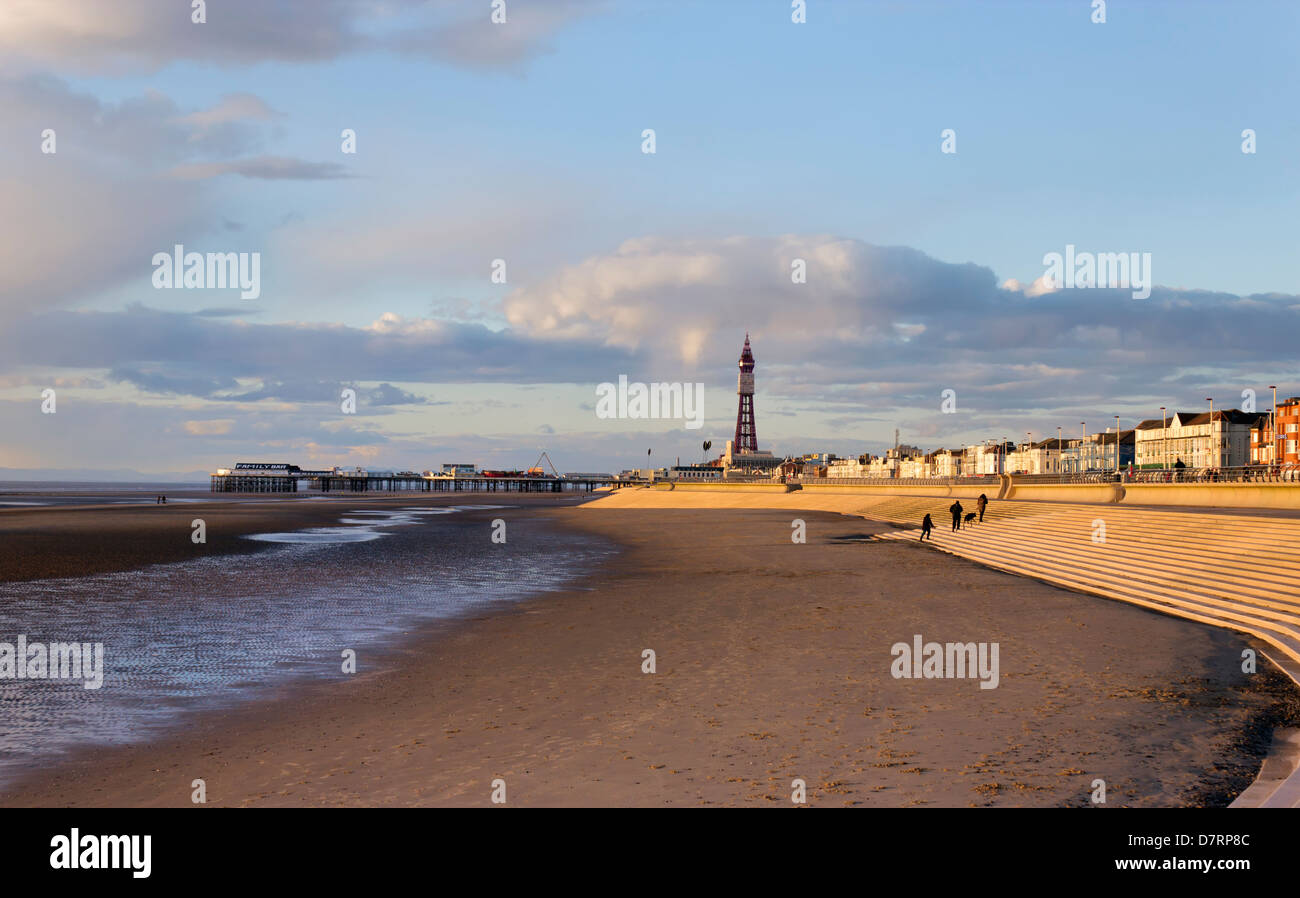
(1283, 447)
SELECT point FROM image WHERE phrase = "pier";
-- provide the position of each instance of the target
(290, 479)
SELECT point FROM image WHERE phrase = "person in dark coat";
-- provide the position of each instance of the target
(982, 503)
(956, 509)
(926, 526)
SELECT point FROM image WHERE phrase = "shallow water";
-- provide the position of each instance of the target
(206, 633)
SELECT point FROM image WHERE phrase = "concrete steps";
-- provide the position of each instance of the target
(1277, 785)
(1235, 571)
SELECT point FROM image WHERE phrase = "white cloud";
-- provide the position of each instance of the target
(1041, 286)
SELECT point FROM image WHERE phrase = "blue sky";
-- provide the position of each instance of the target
(824, 137)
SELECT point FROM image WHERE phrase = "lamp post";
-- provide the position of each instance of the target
(1273, 453)
(1210, 441)
(1117, 444)
(1058, 449)
(1083, 444)
(1164, 445)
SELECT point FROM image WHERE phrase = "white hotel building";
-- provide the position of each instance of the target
(1196, 440)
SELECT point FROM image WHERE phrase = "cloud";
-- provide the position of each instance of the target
(868, 343)
(209, 428)
(201, 355)
(886, 329)
(94, 212)
(94, 37)
(172, 382)
(1041, 286)
(693, 299)
(143, 35)
(270, 168)
(475, 41)
(232, 108)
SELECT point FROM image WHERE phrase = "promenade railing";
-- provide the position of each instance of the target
(1289, 474)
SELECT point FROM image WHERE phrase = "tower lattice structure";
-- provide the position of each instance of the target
(746, 434)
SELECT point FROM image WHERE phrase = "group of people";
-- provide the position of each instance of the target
(159, 500)
(956, 510)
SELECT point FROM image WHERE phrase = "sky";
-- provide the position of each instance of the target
(522, 141)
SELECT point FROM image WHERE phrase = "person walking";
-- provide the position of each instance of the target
(926, 526)
(982, 503)
(955, 508)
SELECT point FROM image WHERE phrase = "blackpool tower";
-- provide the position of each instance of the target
(746, 436)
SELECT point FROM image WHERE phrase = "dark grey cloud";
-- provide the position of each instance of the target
(172, 382)
(172, 350)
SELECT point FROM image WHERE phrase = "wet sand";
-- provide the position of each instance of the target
(773, 663)
(72, 540)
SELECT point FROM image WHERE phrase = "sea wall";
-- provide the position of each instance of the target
(1206, 495)
(1215, 495)
(1100, 493)
(725, 487)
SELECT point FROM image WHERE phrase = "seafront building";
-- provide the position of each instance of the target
(1098, 452)
(1199, 440)
(1270, 444)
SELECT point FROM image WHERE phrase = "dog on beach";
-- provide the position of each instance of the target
(970, 517)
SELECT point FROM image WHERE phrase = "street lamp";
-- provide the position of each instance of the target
(1117, 444)
(1164, 446)
(1083, 443)
(1058, 449)
(1210, 441)
(1273, 453)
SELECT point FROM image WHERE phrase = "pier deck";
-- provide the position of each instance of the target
(328, 482)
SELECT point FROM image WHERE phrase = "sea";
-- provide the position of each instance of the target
(30, 494)
(190, 636)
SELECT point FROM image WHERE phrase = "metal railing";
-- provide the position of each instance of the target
(1235, 474)
(897, 481)
(1238, 474)
(1289, 474)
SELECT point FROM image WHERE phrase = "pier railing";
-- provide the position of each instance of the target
(330, 482)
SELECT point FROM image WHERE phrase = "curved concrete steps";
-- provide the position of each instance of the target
(1235, 571)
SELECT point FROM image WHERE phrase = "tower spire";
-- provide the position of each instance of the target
(746, 434)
